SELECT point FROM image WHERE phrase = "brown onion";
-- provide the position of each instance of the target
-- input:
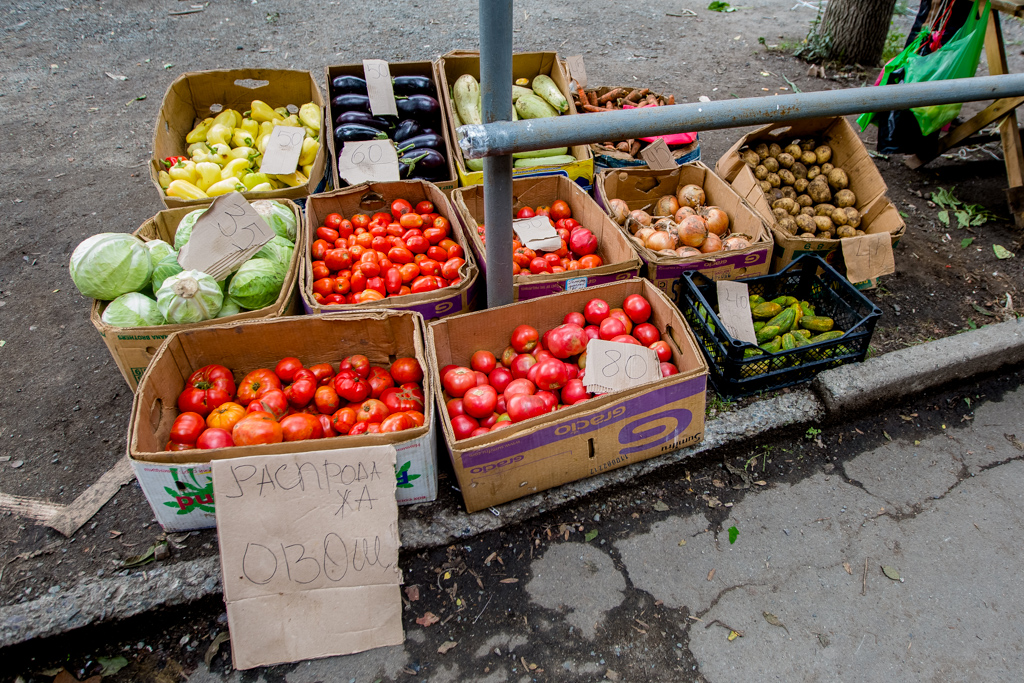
(666, 206)
(640, 216)
(683, 212)
(693, 231)
(619, 210)
(666, 224)
(643, 233)
(718, 220)
(659, 240)
(712, 244)
(735, 242)
(687, 251)
(690, 195)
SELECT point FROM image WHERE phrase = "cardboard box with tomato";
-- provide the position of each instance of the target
(178, 484)
(619, 261)
(598, 434)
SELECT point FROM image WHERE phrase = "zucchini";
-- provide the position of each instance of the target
(518, 91)
(466, 93)
(533, 107)
(553, 151)
(556, 160)
(549, 92)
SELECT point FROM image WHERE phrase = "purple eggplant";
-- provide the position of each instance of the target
(366, 119)
(354, 132)
(342, 85)
(407, 128)
(351, 102)
(421, 162)
(413, 85)
(424, 141)
(419, 107)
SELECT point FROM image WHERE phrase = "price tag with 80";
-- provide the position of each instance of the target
(613, 366)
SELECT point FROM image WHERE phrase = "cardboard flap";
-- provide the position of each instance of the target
(868, 256)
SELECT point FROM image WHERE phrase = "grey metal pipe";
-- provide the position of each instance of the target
(496, 96)
(507, 137)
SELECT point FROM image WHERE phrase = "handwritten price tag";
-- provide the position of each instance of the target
(309, 553)
(224, 237)
(658, 156)
(379, 87)
(868, 256)
(283, 148)
(537, 233)
(576, 70)
(372, 161)
(734, 310)
(613, 366)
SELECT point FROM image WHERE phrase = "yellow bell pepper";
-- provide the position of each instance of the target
(309, 149)
(251, 180)
(236, 168)
(221, 149)
(198, 134)
(293, 179)
(219, 134)
(312, 134)
(261, 111)
(224, 187)
(310, 116)
(163, 179)
(292, 121)
(241, 138)
(218, 159)
(183, 170)
(226, 118)
(182, 189)
(242, 153)
(307, 170)
(198, 147)
(208, 173)
(261, 143)
(281, 111)
(251, 127)
(262, 187)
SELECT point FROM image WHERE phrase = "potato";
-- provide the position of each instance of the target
(786, 176)
(808, 211)
(823, 209)
(852, 217)
(772, 164)
(765, 186)
(824, 153)
(800, 185)
(776, 194)
(819, 191)
(788, 191)
(804, 200)
(858, 233)
(845, 198)
(762, 151)
(774, 179)
(774, 150)
(838, 217)
(799, 169)
(826, 168)
(813, 172)
(809, 158)
(793, 150)
(805, 223)
(837, 179)
(845, 231)
(807, 236)
(786, 204)
(808, 145)
(750, 157)
(787, 225)
(760, 172)
(824, 223)
(780, 213)
(826, 235)
(786, 160)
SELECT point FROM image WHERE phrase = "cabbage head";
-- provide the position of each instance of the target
(159, 250)
(184, 230)
(164, 269)
(278, 249)
(189, 297)
(230, 307)
(257, 283)
(278, 216)
(133, 310)
(110, 264)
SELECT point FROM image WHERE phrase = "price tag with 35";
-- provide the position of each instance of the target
(224, 237)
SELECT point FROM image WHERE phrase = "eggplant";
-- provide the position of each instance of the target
(351, 102)
(343, 85)
(424, 141)
(407, 128)
(354, 132)
(419, 107)
(366, 119)
(421, 162)
(413, 85)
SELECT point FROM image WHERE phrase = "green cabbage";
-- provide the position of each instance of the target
(230, 307)
(133, 310)
(278, 249)
(257, 283)
(189, 297)
(164, 269)
(159, 250)
(278, 216)
(184, 231)
(110, 264)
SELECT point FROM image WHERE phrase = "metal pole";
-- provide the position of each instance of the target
(508, 137)
(496, 96)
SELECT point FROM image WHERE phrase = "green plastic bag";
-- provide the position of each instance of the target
(897, 62)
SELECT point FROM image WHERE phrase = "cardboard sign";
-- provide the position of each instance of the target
(868, 256)
(284, 145)
(576, 70)
(371, 161)
(224, 237)
(614, 366)
(734, 310)
(537, 233)
(658, 156)
(309, 553)
(379, 87)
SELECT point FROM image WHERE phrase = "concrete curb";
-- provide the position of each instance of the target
(842, 390)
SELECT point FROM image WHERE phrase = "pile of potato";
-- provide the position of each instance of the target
(809, 196)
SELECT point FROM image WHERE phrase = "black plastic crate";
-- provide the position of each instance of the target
(830, 293)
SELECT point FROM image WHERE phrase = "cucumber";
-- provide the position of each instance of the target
(549, 92)
(474, 164)
(556, 160)
(766, 310)
(466, 93)
(816, 323)
(518, 91)
(553, 151)
(533, 107)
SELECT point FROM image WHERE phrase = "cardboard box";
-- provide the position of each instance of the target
(199, 94)
(621, 261)
(178, 484)
(640, 188)
(603, 433)
(396, 69)
(849, 154)
(134, 347)
(524, 65)
(372, 197)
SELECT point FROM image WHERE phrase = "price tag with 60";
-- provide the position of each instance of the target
(371, 161)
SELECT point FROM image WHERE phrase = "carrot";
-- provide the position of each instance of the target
(623, 147)
(634, 148)
(592, 108)
(671, 99)
(637, 94)
(610, 95)
(592, 96)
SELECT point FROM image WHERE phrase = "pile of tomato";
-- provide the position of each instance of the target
(538, 373)
(371, 257)
(578, 250)
(294, 403)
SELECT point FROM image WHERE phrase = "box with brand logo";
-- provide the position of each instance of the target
(178, 485)
(599, 434)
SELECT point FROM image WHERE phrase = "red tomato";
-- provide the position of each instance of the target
(327, 234)
(418, 418)
(455, 406)
(524, 339)
(393, 280)
(417, 244)
(463, 426)
(621, 315)
(343, 420)
(521, 365)
(424, 283)
(595, 311)
(287, 367)
(661, 348)
(187, 427)
(523, 407)
(668, 369)
(406, 369)
(519, 386)
(434, 235)
(342, 286)
(255, 381)
(320, 270)
(301, 426)
(551, 375)
(215, 438)
(544, 211)
(425, 207)
(320, 248)
(560, 210)
(333, 220)
(499, 378)
(525, 212)
(410, 271)
(573, 392)
(358, 364)
(360, 220)
(171, 446)
(257, 428)
(352, 389)
(333, 299)
(273, 401)
(396, 422)
(367, 295)
(483, 361)
(436, 253)
(611, 328)
(379, 379)
(400, 255)
(430, 267)
(300, 392)
(590, 261)
(400, 207)
(450, 269)
(324, 286)
(338, 259)
(458, 381)
(637, 308)
(400, 399)
(324, 373)
(376, 284)
(326, 400)
(361, 428)
(225, 416)
(539, 265)
(625, 339)
(372, 410)
(553, 260)
(480, 401)
(507, 356)
(646, 333)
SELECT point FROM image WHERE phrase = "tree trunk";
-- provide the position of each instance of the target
(855, 30)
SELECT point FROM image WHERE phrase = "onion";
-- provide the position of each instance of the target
(683, 212)
(712, 244)
(718, 220)
(687, 251)
(643, 233)
(666, 206)
(640, 216)
(619, 209)
(667, 252)
(735, 242)
(659, 240)
(665, 224)
(693, 231)
(690, 195)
